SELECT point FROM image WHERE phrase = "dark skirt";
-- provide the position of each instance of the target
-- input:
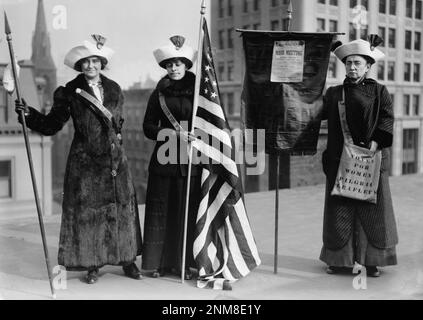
(164, 222)
(359, 249)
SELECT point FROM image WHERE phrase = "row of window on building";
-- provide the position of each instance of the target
(247, 6)
(413, 8)
(391, 71)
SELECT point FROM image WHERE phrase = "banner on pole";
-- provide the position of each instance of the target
(283, 85)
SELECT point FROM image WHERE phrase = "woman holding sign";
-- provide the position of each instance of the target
(355, 230)
(100, 223)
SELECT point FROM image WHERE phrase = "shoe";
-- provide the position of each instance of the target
(157, 273)
(372, 271)
(131, 271)
(333, 270)
(92, 276)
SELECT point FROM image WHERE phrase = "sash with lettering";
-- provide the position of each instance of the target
(96, 105)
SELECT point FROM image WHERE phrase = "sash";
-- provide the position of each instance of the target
(168, 114)
(95, 103)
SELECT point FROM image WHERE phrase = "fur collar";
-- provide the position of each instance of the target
(183, 87)
(112, 90)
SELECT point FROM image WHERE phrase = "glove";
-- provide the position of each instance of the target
(21, 106)
(186, 136)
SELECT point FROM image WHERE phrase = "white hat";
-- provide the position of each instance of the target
(358, 47)
(175, 50)
(86, 50)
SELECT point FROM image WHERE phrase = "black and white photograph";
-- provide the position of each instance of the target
(211, 155)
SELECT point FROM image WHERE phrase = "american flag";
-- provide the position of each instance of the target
(224, 246)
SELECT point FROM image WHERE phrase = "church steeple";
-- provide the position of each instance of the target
(44, 68)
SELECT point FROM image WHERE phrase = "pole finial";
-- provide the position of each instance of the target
(289, 16)
(6, 24)
(203, 7)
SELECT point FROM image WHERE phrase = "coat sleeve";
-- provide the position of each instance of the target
(383, 134)
(54, 121)
(151, 125)
(324, 111)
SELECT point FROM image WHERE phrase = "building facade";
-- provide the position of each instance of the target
(16, 193)
(398, 22)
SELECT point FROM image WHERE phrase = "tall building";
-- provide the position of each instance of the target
(399, 22)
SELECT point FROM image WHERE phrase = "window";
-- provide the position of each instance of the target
(230, 71)
(333, 26)
(417, 41)
(409, 154)
(416, 72)
(364, 31)
(332, 67)
(416, 104)
(275, 3)
(406, 105)
(221, 9)
(4, 116)
(393, 7)
(391, 38)
(256, 5)
(418, 13)
(220, 71)
(230, 34)
(230, 105)
(321, 25)
(407, 71)
(391, 70)
(321, 1)
(246, 27)
(333, 2)
(274, 25)
(353, 3)
(409, 8)
(256, 26)
(407, 39)
(245, 6)
(382, 31)
(382, 6)
(365, 4)
(285, 22)
(381, 70)
(230, 8)
(352, 32)
(221, 39)
(5, 179)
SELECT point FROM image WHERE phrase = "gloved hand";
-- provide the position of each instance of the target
(21, 106)
(186, 136)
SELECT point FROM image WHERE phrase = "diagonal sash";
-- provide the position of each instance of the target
(168, 114)
(96, 103)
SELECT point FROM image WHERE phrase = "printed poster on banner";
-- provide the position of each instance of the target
(287, 61)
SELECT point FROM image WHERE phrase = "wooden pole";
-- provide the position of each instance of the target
(194, 111)
(28, 152)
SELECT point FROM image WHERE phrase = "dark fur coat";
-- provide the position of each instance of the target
(100, 222)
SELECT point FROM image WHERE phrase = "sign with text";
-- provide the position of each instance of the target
(287, 61)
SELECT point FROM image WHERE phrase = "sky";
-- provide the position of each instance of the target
(133, 29)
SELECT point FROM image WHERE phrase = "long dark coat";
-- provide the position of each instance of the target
(166, 190)
(378, 220)
(100, 222)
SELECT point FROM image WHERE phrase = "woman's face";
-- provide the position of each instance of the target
(91, 67)
(176, 69)
(356, 66)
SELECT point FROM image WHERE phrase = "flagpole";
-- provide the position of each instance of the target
(194, 111)
(276, 254)
(28, 151)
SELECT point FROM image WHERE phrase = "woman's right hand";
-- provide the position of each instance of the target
(21, 106)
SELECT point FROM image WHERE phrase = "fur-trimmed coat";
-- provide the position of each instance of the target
(361, 104)
(100, 222)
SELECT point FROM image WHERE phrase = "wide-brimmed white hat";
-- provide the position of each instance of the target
(88, 49)
(177, 49)
(358, 47)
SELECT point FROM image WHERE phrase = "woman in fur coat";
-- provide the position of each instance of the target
(167, 180)
(353, 230)
(100, 224)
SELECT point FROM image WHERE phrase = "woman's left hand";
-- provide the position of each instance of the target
(186, 136)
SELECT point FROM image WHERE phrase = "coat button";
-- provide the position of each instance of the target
(113, 146)
(119, 136)
(114, 173)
